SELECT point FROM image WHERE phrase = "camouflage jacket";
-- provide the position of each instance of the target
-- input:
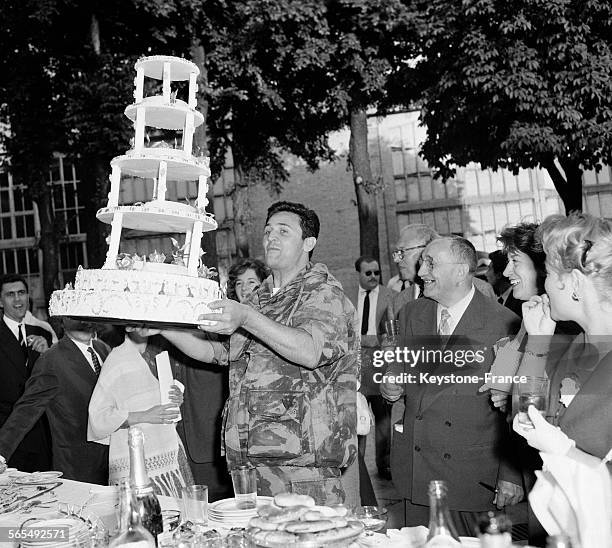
(282, 414)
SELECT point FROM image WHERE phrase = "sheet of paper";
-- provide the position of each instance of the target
(164, 376)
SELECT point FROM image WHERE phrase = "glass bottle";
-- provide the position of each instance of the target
(131, 532)
(495, 531)
(147, 504)
(442, 532)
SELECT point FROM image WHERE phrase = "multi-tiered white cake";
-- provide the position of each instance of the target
(146, 289)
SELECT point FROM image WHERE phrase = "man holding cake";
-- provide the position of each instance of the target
(292, 414)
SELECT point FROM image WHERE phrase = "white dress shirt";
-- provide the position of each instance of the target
(372, 327)
(14, 327)
(84, 350)
(456, 311)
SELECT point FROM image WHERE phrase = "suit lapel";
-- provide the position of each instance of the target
(76, 361)
(12, 349)
(470, 322)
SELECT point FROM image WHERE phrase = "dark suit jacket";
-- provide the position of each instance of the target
(34, 450)
(61, 385)
(450, 431)
(369, 343)
(206, 389)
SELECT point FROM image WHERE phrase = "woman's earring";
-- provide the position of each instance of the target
(575, 297)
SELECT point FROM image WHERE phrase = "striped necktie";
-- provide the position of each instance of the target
(95, 361)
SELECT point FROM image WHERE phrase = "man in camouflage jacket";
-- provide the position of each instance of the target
(294, 366)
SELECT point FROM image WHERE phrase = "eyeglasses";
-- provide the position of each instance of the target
(370, 272)
(429, 263)
(398, 254)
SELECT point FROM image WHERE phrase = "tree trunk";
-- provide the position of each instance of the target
(200, 142)
(49, 237)
(362, 179)
(568, 184)
(94, 187)
(241, 210)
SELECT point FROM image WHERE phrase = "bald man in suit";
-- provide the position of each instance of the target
(448, 431)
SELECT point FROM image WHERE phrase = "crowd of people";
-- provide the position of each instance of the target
(298, 350)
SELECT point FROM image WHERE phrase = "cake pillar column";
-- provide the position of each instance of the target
(194, 249)
(115, 180)
(139, 92)
(188, 133)
(140, 129)
(115, 237)
(193, 82)
(202, 200)
(166, 82)
(162, 172)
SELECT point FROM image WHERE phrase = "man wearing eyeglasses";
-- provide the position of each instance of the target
(448, 432)
(412, 241)
(373, 300)
(20, 347)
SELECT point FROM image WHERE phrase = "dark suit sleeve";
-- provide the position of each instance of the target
(40, 389)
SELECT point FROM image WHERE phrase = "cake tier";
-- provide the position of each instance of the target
(145, 164)
(180, 69)
(158, 216)
(135, 296)
(164, 115)
(170, 280)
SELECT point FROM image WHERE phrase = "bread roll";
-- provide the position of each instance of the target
(291, 499)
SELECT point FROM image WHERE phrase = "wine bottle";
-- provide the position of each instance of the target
(442, 532)
(131, 532)
(147, 503)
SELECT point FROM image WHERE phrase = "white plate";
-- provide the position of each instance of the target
(228, 506)
(470, 542)
(39, 478)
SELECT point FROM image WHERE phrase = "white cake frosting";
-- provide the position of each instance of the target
(132, 288)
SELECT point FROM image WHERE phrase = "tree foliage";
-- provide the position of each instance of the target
(514, 84)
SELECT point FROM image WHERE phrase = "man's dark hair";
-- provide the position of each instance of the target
(364, 259)
(309, 221)
(260, 269)
(499, 261)
(522, 237)
(12, 278)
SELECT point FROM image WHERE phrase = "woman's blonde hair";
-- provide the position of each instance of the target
(581, 242)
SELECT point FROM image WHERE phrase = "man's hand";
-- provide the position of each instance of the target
(543, 436)
(232, 316)
(38, 343)
(507, 494)
(391, 391)
(500, 400)
(536, 316)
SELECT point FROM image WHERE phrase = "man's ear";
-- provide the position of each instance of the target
(309, 244)
(462, 271)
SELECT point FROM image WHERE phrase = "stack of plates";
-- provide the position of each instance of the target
(61, 532)
(224, 513)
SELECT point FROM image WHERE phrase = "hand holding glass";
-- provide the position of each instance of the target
(534, 391)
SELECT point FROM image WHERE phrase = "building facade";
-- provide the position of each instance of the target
(476, 204)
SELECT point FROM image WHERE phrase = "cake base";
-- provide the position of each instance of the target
(144, 296)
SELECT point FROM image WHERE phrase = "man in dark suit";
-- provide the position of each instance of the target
(20, 347)
(448, 431)
(373, 305)
(61, 385)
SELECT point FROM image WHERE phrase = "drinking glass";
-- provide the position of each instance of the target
(244, 480)
(195, 503)
(534, 391)
(391, 332)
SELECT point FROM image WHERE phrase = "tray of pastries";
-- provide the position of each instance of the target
(295, 521)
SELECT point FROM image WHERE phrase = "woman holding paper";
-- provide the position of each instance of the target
(128, 393)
